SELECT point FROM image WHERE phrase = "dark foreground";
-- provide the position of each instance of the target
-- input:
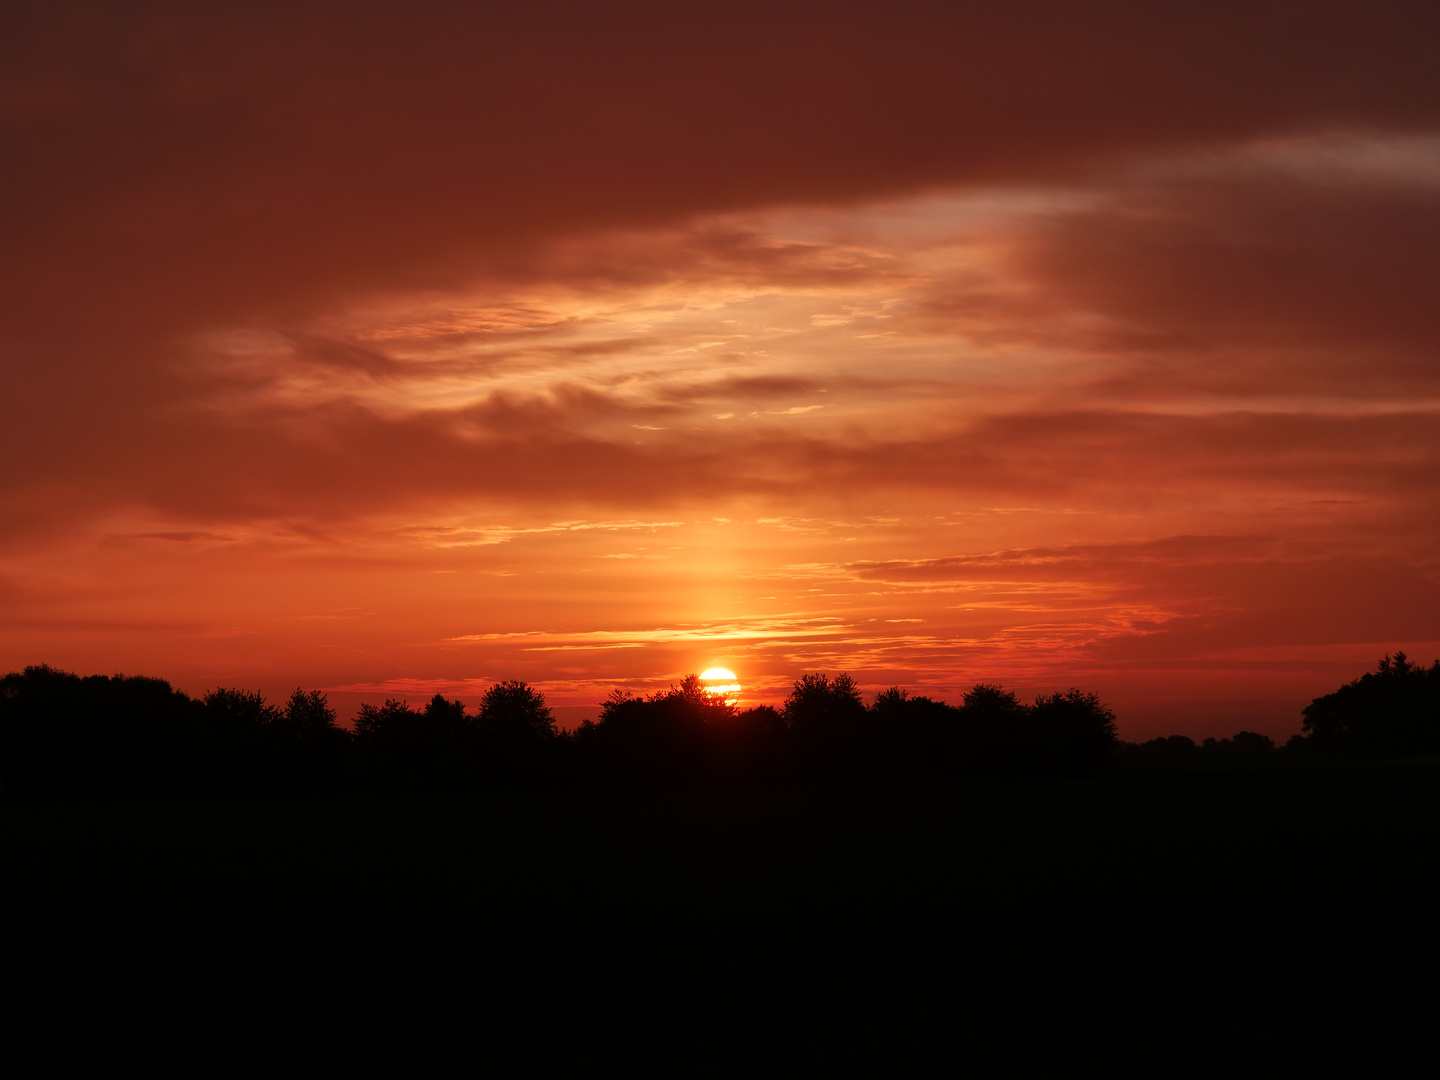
(1291, 906)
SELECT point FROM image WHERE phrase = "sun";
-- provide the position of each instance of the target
(719, 681)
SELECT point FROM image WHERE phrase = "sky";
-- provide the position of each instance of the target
(398, 349)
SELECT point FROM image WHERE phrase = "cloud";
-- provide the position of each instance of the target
(773, 632)
(181, 537)
(1256, 283)
(1116, 561)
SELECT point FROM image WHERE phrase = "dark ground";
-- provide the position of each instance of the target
(1210, 911)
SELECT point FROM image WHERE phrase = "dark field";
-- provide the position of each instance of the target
(1226, 907)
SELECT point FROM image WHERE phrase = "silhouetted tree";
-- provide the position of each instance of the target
(252, 729)
(748, 746)
(308, 717)
(672, 736)
(1072, 726)
(312, 751)
(515, 710)
(890, 703)
(445, 719)
(691, 700)
(373, 723)
(101, 734)
(818, 704)
(992, 728)
(911, 735)
(241, 708)
(435, 749)
(987, 703)
(1394, 709)
(828, 725)
(765, 720)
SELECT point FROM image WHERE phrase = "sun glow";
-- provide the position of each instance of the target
(719, 681)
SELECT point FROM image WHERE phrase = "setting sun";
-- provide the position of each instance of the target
(717, 680)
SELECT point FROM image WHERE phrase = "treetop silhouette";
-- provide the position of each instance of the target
(516, 709)
(1393, 709)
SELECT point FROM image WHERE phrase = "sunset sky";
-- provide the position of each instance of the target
(394, 348)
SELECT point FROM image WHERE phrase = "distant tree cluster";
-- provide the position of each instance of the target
(1393, 710)
(1243, 745)
(128, 735)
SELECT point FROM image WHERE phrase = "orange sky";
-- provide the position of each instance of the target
(389, 349)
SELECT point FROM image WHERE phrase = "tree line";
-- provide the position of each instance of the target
(61, 732)
(133, 735)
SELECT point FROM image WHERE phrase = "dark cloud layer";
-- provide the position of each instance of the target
(1245, 267)
(251, 157)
